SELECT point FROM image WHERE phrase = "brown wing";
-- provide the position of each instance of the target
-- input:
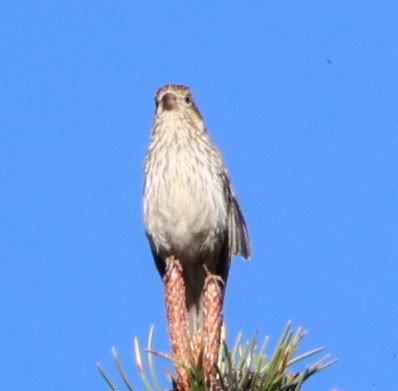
(238, 235)
(239, 242)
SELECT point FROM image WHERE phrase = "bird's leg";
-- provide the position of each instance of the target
(177, 319)
(213, 318)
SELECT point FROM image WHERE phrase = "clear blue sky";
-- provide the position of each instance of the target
(300, 96)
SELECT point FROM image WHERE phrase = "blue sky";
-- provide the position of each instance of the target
(300, 97)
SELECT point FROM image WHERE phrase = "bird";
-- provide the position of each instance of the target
(190, 210)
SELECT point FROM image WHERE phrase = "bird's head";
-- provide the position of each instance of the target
(174, 100)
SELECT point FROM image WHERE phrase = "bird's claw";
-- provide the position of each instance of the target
(212, 277)
(172, 265)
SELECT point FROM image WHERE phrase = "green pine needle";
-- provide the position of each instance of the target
(245, 368)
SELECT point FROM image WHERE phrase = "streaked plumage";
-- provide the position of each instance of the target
(190, 210)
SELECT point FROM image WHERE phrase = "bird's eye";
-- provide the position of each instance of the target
(187, 99)
(156, 102)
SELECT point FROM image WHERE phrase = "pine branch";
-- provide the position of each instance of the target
(245, 368)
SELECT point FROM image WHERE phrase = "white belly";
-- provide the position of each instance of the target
(185, 216)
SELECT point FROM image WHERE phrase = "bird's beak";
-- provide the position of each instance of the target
(169, 101)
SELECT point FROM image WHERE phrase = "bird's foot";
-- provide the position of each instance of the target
(177, 318)
(210, 275)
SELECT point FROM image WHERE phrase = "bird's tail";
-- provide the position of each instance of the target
(194, 279)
